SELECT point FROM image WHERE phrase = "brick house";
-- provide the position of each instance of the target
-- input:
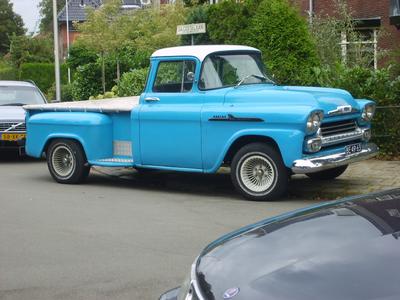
(371, 17)
(77, 13)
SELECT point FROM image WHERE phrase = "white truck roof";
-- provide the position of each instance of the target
(200, 51)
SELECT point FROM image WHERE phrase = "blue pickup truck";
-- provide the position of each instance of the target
(204, 107)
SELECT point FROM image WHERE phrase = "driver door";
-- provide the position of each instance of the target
(170, 131)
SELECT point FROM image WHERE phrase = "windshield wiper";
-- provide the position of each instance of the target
(255, 76)
(13, 104)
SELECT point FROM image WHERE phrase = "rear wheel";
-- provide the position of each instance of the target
(328, 174)
(258, 172)
(67, 162)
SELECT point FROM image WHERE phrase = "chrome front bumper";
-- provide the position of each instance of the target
(320, 163)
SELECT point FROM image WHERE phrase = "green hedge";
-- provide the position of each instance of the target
(42, 74)
(8, 73)
(378, 85)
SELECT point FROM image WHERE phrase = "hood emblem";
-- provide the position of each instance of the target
(344, 109)
(230, 293)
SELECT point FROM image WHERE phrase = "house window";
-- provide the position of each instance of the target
(394, 13)
(366, 46)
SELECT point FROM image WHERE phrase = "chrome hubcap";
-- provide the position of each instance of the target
(63, 161)
(257, 173)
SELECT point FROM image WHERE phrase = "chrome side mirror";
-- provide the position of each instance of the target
(190, 76)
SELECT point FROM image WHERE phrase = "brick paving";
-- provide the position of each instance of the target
(363, 177)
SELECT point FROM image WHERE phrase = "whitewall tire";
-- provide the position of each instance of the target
(258, 172)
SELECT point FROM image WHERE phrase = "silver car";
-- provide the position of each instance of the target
(14, 95)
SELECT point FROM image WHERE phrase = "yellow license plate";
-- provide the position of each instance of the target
(13, 136)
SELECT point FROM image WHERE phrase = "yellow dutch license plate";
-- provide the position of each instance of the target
(13, 136)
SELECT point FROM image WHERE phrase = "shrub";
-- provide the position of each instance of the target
(42, 74)
(273, 26)
(87, 80)
(132, 83)
(66, 92)
(37, 49)
(228, 21)
(80, 55)
(8, 73)
(380, 86)
(107, 95)
(130, 58)
(327, 32)
(282, 35)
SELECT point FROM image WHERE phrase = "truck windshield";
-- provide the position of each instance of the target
(19, 95)
(233, 69)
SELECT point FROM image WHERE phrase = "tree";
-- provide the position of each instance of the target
(101, 33)
(38, 49)
(282, 35)
(80, 55)
(342, 24)
(151, 29)
(273, 26)
(10, 23)
(112, 33)
(46, 12)
(197, 14)
(228, 21)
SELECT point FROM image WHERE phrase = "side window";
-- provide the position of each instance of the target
(174, 76)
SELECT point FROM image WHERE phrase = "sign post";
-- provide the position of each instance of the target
(191, 29)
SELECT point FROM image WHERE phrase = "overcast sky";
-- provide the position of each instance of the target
(28, 10)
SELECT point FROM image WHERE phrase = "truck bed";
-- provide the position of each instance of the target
(124, 104)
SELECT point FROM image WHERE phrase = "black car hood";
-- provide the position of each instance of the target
(346, 250)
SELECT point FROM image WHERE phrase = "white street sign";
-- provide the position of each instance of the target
(191, 29)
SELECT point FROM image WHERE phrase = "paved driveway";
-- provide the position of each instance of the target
(120, 236)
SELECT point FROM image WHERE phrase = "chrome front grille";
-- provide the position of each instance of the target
(12, 126)
(341, 132)
(339, 127)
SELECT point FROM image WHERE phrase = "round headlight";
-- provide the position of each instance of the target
(368, 112)
(313, 145)
(314, 122)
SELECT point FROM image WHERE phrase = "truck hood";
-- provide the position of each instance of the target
(341, 251)
(326, 99)
(12, 113)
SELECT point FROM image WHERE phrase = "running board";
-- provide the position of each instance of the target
(112, 162)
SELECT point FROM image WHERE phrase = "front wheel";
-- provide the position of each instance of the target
(258, 172)
(67, 162)
(328, 174)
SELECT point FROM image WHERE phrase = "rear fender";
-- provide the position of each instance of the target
(92, 130)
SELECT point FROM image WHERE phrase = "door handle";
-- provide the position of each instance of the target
(151, 99)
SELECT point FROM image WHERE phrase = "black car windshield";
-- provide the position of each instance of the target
(232, 69)
(20, 95)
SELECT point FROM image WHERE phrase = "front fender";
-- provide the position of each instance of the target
(289, 141)
(92, 130)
